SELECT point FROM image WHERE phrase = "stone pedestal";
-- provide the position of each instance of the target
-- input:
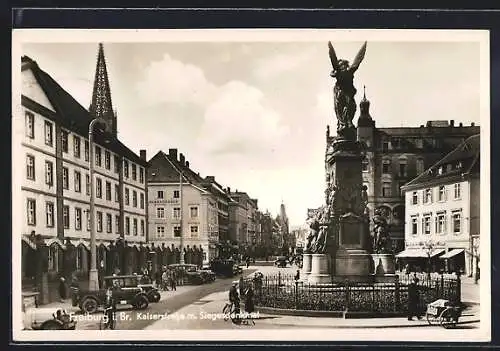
(384, 268)
(306, 266)
(319, 269)
(353, 265)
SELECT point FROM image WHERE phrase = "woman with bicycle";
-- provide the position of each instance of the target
(109, 310)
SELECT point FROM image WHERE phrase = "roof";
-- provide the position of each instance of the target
(73, 116)
(463, 160)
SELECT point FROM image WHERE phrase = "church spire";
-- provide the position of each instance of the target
(101, 106)
(365, 120)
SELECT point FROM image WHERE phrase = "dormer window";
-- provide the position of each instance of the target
(459, 164)
(449, 167)
(440, 170)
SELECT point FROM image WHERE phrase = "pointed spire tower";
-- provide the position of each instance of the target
(365, 120)
(101, 106)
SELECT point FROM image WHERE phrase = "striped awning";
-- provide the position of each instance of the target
(452, 253)
(418, 253)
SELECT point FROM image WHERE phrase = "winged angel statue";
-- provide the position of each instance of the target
(344, 91)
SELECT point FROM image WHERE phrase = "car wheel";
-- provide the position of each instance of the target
(141, 302)
(89, 305)
(154, 296)
(50, 325)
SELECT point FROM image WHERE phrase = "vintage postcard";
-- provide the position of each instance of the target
(251, 185)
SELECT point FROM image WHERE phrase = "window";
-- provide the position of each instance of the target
(365, 165)
(427, 196)
(127, 194)
(30, 167)
(53, 259)
(135, 227)
(159, 194)
(125, 168)
(31, 211)
(441, 223)
(442, 193)
(142, 200)
(87, 148)
(160, 231)
(134, 198)
(386, 166)
(65, 176)
(402, 168)
(457, 222)
(420, 166)
(48, 134)
(414, 225)
(176, 194)
(116, 161)
(134, 172)
(456, 188)
(66, 217)
(386, 189)
(98, 156)
(99, 221)
(88, 219)
(30, 124)
(98, 188)
(117, 224)
(64, 141)
(78, 181)
(142, 227)
(49, 210)
(177, 231)
(87, 184)
(127, 226)
(117, 193)
(108, 191)
(160, 212)
(177, 212)
(76, 146)
(414, 198)
(109, 223)
(194, 212)
(49, 173)
(427, 224)
(385, 145)
(78, 218)
(141, 175)
(194, 231)
(79, 259)
(107, 159)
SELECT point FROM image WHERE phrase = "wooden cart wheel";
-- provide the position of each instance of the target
(447, 318)
(430, 318)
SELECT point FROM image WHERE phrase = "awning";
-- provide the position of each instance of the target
(452, 253)
(418, 253)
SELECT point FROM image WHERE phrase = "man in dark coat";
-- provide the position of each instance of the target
(413, 300)
(234, 298)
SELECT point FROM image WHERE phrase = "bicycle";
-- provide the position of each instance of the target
(229, 310)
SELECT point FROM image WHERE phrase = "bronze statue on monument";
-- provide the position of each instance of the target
(344, 91)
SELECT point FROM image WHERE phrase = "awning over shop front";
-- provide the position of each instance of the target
(418, 253)
(452, 253)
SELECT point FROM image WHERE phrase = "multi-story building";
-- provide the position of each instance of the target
(51, 132)
(241, 219)
(393, 156)
(443, 211)
(183, 214)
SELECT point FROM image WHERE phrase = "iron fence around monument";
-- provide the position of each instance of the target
(284, 292)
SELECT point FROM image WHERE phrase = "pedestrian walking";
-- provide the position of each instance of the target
(297, 275)
(249, 303)
(413, 300)
(242, 287)
(62, 289)
(173, 280)
(158, 279)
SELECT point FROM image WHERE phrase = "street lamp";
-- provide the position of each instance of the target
(93, 273)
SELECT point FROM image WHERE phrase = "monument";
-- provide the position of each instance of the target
(339, 245)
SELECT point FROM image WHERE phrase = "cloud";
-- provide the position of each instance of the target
(272, 66)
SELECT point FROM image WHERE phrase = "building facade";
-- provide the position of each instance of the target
(443, 212)
(184, 215)
(394, 156)
(52, 130)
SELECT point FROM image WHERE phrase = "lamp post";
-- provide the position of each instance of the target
(93, 273)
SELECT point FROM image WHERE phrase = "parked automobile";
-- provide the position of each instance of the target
(48, 319)
(125, 291)
(207, 275)
(151, 291)
(223, 267)
(188, 272)
(281, 261)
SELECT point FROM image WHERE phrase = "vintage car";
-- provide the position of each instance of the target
(189, 273)
(151, 291)
(125, 292)
(281, 261)
(48, 319)
(207, 275)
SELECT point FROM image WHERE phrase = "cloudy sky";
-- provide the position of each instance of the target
(254, 113)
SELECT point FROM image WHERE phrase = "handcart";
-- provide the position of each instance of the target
(443, 312)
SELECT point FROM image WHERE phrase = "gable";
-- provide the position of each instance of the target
(31, 89)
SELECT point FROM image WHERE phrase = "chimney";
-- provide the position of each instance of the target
(142, 154)
(228, 189)
(452, 123)
(172, 153)
(472, 124)
(182, 159)
(210, 178)
(460, 124)
(187, 164)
